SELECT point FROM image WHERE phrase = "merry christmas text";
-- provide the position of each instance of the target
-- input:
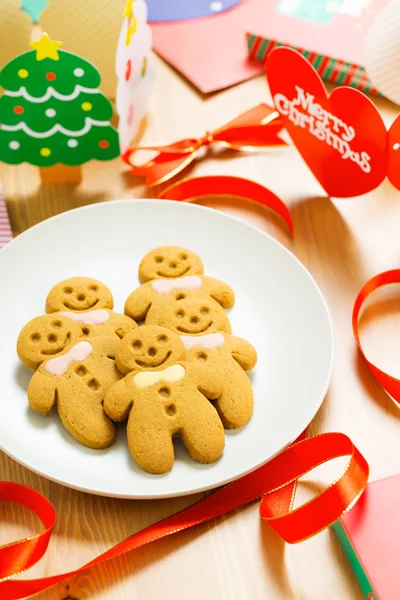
(322, 124)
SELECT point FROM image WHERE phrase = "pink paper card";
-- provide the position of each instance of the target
(212, 51)
(337, 29)
(349, 42)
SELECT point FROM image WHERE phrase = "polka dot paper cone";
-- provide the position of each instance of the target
(135, 71)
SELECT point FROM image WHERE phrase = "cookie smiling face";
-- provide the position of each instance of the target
(148, 347)
(45, 337)
(193, 317)
(169, 262)
(79, 294)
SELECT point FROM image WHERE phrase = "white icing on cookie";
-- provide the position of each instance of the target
(93, 317)
(59, 365)
(210, 340)
(145, 379)
(164, 286)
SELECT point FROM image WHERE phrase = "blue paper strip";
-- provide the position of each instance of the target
(178, 10)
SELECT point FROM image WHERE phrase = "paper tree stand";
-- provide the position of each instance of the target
(52, 114)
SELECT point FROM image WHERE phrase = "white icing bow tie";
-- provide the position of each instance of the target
(146, 379)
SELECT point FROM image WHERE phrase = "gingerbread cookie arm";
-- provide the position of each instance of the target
(123, 325)
(104, 345)
(42, 393)
(139, 303)
(243, 352)
(207, 381)
(119, 399)
(220, 291)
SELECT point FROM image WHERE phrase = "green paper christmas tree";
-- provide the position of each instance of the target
(52, 111)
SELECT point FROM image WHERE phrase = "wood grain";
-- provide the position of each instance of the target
(342, 243)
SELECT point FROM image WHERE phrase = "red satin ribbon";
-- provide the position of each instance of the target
(224, 185)
(389, 383)
(274, 484)
(255, 128)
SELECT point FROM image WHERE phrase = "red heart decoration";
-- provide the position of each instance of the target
(341, 137)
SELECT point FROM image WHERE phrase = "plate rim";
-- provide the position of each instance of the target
(236, 476)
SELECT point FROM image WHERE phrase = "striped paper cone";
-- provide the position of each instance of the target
(5, 227)
(330, 69)
(382, 52)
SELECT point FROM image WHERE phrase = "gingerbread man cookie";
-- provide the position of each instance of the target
(169, 262)
(190, 317)
(78, 294)
(230, 357)
(165, 397)
(150, 299)
(149, 348)
(88, 302)
(44, 337)
(72, 374)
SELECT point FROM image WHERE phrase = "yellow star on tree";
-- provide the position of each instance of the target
(46, 48)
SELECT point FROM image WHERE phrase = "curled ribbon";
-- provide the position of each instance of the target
(274, 484)
(226, 185)
(255, 128)
(389, 383)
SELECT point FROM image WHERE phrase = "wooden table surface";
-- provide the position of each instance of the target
(342, 243)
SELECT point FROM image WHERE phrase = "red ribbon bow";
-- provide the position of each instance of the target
(255, 128)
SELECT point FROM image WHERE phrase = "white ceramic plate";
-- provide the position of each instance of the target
(279, 308)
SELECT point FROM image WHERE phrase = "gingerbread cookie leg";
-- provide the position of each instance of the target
(202, 430)
(84, 417)
(235, 405)
(150, 440)
(203, 437)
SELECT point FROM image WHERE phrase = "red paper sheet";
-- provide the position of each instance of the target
(373, 529)
(211, 52)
